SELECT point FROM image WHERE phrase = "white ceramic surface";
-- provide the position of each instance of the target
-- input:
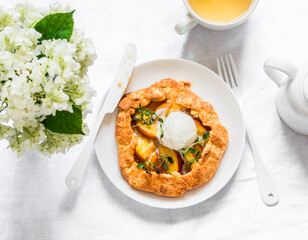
(291, 100)
(192, 19)
(208, 86)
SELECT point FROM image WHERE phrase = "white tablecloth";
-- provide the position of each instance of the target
(36, 204)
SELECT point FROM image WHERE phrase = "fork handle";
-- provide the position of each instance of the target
(267, 187)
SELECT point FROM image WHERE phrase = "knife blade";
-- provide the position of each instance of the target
(121, 78)
(114, 95)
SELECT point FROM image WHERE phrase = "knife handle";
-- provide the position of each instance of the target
(77, 172)
(116, 91)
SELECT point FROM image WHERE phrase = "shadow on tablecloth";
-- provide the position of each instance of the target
(170, 216)
(297, 146)
(204, 46)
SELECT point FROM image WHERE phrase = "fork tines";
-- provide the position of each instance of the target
(231, 77)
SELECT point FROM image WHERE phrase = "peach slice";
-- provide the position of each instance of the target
(145, 148)
(175, 107)
(198, 147)
(191, 156)
(200, 128)
(170, 107)
(153, 105)
(163, 106)
(154, 160)
(172, 167)
(148, 130)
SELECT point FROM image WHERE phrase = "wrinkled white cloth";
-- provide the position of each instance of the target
(35, 204)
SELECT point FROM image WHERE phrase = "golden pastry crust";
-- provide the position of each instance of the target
(174, 184)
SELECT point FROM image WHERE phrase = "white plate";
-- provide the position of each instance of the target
(209, 87)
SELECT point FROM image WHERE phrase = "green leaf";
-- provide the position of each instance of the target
(140, 165)
(56, 26)
(192, 150)
(206, 135)
(65, 122)
(162, 131)
(160, 120)
(41, 55)
(153, 165)
(165, 165)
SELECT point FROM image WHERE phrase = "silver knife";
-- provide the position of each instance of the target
(114, 95)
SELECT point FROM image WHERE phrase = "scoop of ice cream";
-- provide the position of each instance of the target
(179, 131)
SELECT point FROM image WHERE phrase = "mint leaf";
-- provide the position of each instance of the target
(56, 26)
(65, 122)
(140, 165)
(165, 165)
(206, 135)
(192, 150)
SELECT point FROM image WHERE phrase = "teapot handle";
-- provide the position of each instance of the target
(274, 66)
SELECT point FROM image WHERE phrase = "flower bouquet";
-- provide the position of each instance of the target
(44, 89)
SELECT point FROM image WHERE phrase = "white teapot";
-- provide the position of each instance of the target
(292, 96)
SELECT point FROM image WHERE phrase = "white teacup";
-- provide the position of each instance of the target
(192, 19)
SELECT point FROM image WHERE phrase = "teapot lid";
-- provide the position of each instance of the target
(305, 87)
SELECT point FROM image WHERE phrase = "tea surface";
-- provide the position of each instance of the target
(220, 10)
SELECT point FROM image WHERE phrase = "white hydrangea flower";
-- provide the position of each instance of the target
(39, 79)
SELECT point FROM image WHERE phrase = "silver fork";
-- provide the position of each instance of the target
(268, 190)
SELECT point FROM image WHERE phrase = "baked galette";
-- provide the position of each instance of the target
(169, 140)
